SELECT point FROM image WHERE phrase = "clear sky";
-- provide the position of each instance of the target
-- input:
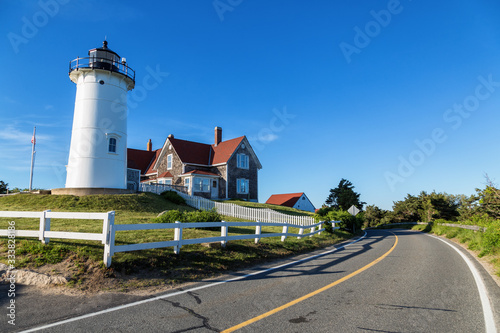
(395, 96)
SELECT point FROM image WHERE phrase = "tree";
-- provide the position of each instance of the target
(373, 215)
(343, 196)
(489, 199)
(426, 207)
(3, 187)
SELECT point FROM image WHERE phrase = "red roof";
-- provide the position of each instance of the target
(192, 152)
(199, 172)
(165, 175)
(140, 159)
(224, 150)
(288, 200)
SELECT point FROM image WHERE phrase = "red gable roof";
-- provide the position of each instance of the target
(288, 200)
(224, 150)
(165, 175)
(192, 152)
(199, 172)
(140, 159)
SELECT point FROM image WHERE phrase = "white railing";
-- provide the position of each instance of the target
(107, 237)
(179, 241)
(228, 209)
(159, 188)
(44, 234)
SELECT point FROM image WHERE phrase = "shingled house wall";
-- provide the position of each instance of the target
(250, 174)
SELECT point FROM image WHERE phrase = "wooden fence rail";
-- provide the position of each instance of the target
(107, 237)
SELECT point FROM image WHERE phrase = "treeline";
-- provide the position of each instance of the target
(482, 208)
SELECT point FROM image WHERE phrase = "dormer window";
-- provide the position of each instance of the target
(242, 161)
(112, 145)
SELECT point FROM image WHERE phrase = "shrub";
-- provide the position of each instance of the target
(195, 216)
(173, 197)
(491, 238)
(170, 216)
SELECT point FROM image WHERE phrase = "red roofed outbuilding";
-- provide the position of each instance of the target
(293, 200)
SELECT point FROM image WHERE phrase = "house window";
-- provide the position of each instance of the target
(242, 161)
(169, 162)
(201, 184)
(168, 181)
(186, 182)
(242, 186)
(112, 145)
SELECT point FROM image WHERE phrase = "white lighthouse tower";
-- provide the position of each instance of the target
(98, 152)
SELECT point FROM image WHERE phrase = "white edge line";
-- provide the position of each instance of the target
(489, 320)
(88, 315)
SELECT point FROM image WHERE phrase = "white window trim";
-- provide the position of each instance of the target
(239, 161)
(238, 185)
(171, 161)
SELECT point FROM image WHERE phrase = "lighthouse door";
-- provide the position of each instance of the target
(214, 189)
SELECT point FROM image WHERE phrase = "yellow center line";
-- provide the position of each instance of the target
(298, 300)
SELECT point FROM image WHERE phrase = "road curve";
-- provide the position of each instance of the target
(389, 281)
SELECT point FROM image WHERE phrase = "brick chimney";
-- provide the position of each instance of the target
(218, 135)
(149, 146)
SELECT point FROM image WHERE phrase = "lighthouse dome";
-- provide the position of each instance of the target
(102, 58)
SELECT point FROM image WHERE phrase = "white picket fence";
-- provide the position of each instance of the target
(228, 209)
(109, 229)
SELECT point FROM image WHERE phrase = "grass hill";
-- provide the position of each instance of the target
(144, 202)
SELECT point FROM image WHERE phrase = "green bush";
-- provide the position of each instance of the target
(195, 216)
(170, 216)
(347, 221)
(491, 238)
(173, 197)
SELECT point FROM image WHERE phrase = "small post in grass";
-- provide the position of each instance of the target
(44, 226)
(178, 238)
(258, 230)
(285, 231)
(223, 233)
(109, 237)
(301, 232)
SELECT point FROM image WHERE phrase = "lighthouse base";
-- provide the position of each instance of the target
(80, 191)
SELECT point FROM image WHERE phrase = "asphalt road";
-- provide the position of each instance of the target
(389, 281)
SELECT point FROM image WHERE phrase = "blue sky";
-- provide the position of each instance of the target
(395, 96)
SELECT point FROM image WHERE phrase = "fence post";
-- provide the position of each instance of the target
(320, 227)
(223, 233)
(178, 238)
(312, 230)
(301, 232)
(285, 231)
(258, 229)
(44, 226)
(109, 237)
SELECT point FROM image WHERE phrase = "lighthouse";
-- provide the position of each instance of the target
(98, 150)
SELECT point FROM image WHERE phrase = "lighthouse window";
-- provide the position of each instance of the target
(112, 145)
(101, 82)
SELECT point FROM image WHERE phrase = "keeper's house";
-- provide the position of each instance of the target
(223, 170)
